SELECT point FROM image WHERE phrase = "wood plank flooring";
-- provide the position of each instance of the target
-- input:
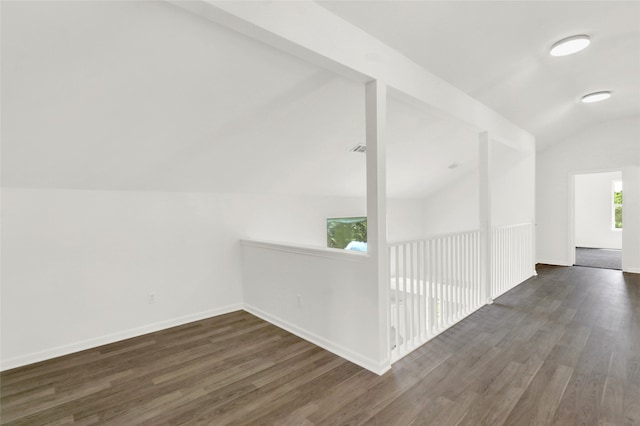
(562, 348)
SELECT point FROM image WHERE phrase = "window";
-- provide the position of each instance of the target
(617, 204)
(347, 233)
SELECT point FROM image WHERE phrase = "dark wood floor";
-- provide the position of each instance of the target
(562, 348)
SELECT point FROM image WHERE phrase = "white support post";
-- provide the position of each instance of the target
(630, 215)
(376, 114)
(485, 217)
(533, 246)
(534, 225)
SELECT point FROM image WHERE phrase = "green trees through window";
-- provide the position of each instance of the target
(341, 231)
(617, 204)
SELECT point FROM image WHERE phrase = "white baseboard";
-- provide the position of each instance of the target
(332, 347)
(162, 325)
(632, 270)
(7, 364)
(554, 262)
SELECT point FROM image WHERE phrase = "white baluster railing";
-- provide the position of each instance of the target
(512, 257)
(435, 283)
(438, 281)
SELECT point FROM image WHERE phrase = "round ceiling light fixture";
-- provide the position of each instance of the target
(596, 97)
(570, 45)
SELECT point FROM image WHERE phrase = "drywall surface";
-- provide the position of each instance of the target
(608, 146)
(405, 219)
(454, 208)
(303, 220)
(512, 185)
(78, 266)
(325, 296)
(289, 219)
(594, 211)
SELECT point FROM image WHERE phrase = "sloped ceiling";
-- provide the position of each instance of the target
(145, 96)
(498, 52)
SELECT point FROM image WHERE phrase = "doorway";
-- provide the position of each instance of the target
(598, 221)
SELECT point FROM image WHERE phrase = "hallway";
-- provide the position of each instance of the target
(599, 258)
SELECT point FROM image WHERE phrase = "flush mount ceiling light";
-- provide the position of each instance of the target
(569, 45)
(596, 97)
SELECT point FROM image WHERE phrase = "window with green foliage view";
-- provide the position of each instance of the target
(342, 231)
(617, 204)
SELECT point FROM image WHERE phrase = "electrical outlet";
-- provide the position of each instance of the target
(151, 298)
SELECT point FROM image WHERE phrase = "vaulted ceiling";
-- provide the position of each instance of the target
(145, 96)
(498, 52)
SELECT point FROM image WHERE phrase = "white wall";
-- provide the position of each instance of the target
(405, 219)
(77, 266)
(302, 220)
(326, 296)
(289, 219)
(454, 208)
(594, 212)
(608, 146)
(512, 179)
(512, 185)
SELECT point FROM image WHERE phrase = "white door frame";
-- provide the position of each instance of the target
(572, 209)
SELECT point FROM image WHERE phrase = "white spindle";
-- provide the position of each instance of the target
(437, 281)
(416, 295)
(423, 293)
(467, 276)
(511, 248)
(397, 281)
(406, 296)
(457, 264)
(409, 322)
(431, 283)
(447, 281)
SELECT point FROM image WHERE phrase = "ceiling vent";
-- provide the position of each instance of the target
(359, 148)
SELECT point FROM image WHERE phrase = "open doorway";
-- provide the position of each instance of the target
(598, 220)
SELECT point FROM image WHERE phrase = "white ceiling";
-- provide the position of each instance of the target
(145, 96)
(497, 51)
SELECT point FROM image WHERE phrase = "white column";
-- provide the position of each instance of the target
(376, 114)
(631, 219)
(534, 225)
(485, 216)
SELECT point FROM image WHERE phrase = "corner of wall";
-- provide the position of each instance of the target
(367, 363)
